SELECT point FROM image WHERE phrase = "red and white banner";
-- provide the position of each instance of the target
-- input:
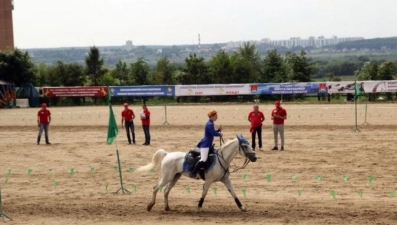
(89, 91)
(212, 89)
(364, 86)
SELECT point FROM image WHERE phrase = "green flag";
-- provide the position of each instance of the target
(112, 127)
(356, 89)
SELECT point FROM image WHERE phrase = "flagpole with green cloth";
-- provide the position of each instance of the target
(356, 94)
(113, 131)
(1, 209)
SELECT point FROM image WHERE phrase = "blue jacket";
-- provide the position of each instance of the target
(209, 134)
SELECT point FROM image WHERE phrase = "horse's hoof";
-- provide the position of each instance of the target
(167, 208)
(199, 209)
(149, 207)
(243, 209)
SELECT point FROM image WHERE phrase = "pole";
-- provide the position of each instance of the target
(355, 106)
(1, 209)
(121, 177)
(165, 115)
(366, 123)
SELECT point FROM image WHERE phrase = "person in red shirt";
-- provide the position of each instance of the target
(279, 114)
(256, 118)
(145, 118)
(127, 121)
(43, 121)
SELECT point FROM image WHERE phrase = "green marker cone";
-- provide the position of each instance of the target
(130, 169)
(319, 178)
(9, 172)
(187, 189)
(214, 190)
(161, 189)
(333, 194)
(55, 183)
(244, 192)
(49, 170)
(345, 178)
(6, 181)
(106, 186)
(72, 171)
(300, 192)
(360, 193)
(370, 179)
(92, 170)
(151, 171)
(244, 176)
(30, 171)
(269, 177)
(392, 194)
(293, 177)
(133, 187)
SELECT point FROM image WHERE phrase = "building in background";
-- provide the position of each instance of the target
(6, 26)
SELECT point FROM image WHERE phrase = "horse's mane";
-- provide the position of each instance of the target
(227, 143)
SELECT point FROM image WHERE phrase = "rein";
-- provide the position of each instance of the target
(221, 141)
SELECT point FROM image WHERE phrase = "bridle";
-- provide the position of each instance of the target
(242, 147)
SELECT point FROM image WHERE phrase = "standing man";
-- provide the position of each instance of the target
(256, 118)
(145, 117)
(127, 120)
(43, 121)
(279, 114)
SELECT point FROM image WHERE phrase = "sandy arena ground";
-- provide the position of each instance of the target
(319, 141)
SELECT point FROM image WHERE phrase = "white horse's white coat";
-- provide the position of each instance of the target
(172, 166)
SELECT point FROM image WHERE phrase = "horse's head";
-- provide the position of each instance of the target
(245, 149)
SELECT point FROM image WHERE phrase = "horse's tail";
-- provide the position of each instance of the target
(156, 159)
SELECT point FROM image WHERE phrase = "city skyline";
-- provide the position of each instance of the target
(76, 23)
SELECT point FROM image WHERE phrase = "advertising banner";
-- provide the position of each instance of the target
(212, 89)
(142, 90)
(89, 91)
(344, 87)
(285, 88)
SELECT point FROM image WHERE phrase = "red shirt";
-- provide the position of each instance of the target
(146, 120)
(256, 118)
(279, 112)
(127, 114)
(44, 114)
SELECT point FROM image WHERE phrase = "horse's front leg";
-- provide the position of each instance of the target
(229, 187)
(206, 187)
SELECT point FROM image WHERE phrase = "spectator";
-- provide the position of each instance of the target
(127, 120)
(43, 121)
(256, 118)
(279, 114)
(145, 117)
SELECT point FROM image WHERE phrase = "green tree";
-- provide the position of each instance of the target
(94, 66)
(164, 71)
(66, 75)
(42, 75)
(120, 73)
(300, 68)
(139, 72)
(195, 72)
(387, 71)
(16, 67)
(250, 56)
(274, 69)
(221, 68)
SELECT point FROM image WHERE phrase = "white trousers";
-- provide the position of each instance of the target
(204, 154)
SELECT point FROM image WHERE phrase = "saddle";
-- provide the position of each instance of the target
(193, 156)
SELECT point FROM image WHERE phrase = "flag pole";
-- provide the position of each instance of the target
(356, 93)
(1, 209)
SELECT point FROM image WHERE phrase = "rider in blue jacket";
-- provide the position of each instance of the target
(206, 141)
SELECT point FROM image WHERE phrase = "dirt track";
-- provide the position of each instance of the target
(319, 141)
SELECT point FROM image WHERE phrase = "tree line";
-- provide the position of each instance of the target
(242, 66)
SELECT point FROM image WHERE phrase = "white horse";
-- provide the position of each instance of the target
(172, 169)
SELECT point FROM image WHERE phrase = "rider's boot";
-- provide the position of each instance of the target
(199, 164)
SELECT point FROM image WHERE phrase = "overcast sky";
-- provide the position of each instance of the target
(67, 23)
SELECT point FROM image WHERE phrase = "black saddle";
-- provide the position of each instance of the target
(194, 154)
